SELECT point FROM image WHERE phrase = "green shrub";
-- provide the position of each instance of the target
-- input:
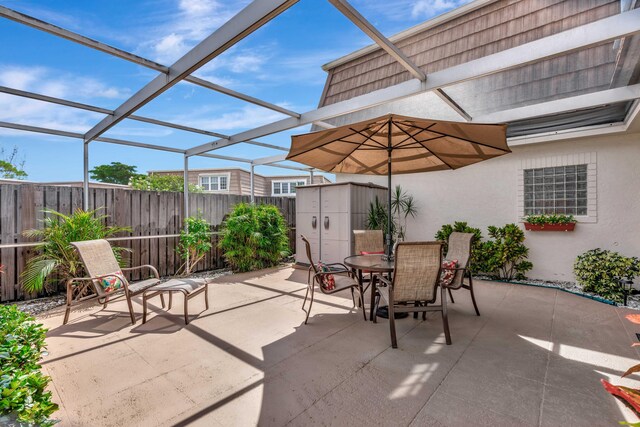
(195, 242)
(549, 219)
(505, 256)
(161, 183)
(600, 271)
(254, 237)
(23, 395)
(462, 227)
(55, 254)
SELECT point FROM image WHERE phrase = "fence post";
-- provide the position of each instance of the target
(85, 179)
(186, 202)
(252, 179)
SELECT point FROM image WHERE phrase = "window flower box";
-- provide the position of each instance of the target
(550, 223)
(570, 226)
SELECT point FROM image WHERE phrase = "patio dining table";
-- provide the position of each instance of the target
(373, 263)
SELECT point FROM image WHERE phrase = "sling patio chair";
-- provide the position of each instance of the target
(106, 276)
(459, 252)
(414, 286)
(368, 242)
(330, 278)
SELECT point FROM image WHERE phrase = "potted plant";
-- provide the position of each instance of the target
(552, 222)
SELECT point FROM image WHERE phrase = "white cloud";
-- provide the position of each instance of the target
(249, 116)
(191, 23)
(429, 8)
(53, 83)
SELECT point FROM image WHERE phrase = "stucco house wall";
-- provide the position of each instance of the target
(489, 193)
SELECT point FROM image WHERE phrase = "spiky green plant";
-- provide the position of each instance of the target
(55, 253)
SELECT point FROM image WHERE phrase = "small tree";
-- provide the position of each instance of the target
(194, 244)
(114, 173)
(403, 206)
(10, 166)
(161, 183)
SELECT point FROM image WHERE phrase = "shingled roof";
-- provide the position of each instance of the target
(486, 27)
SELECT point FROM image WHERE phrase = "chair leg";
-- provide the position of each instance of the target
(162, 300)
(310, 304)
(445, 320)
(353, 297)
(186, 309)
(372, 302)
(170, 299)
(451, 296)
(392, 321)
(206, 297)
(144, 308)
(69, 299)
(133, 316)
(473, 297)
(415, 313)
(106, 301)
(364, 310)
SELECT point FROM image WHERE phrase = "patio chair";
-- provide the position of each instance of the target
(414, 286)
(337, 275)
(367, 242)
(106, 276)
(460, 245)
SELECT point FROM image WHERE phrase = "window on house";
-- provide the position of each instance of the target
(283, 188)
(214, 182)
(556, 190)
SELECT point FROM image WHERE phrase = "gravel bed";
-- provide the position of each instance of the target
(632, 302)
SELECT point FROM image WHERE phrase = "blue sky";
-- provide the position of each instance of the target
(280, 63)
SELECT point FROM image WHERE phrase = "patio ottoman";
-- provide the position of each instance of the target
(188, 287)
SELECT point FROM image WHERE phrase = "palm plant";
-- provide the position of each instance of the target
(403, 206)
(55, 253)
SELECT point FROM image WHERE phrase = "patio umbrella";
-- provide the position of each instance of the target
(394, 144)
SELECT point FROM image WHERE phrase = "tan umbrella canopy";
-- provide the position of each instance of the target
(394, 144)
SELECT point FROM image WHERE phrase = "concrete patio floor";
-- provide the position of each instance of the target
(534, 358)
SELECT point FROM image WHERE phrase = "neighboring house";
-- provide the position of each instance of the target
(583, 162)
(238, 181)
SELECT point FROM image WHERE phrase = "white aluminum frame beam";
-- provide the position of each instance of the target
(361, 22)
(87, 107)
(588, 35)
(76, 135)
(579, 102)
(252, 17)
(93, 44)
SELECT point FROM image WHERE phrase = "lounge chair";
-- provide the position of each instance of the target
(330, 278)
(106, 277)
(459, 249)
(414, 286)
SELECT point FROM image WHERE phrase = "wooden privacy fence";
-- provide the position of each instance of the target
(147, 213)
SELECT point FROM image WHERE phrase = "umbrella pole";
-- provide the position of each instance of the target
(389, 217)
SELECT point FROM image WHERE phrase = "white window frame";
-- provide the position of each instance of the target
(218, 176)
(564, 160)
(298, 182)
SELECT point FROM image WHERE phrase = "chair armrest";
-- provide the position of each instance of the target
(150, 267)
(384, 280)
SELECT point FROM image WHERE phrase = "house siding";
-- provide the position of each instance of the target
(240, 179)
